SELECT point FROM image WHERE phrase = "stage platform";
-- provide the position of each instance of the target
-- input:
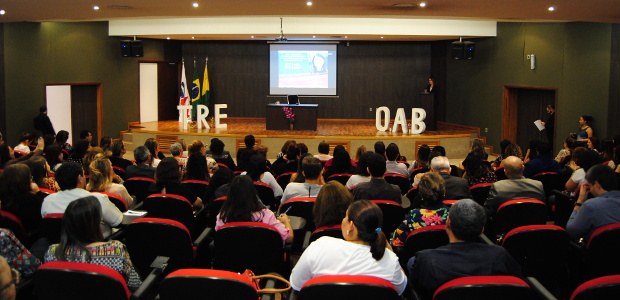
(352, 133)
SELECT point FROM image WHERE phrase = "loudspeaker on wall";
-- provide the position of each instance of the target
(132, 48)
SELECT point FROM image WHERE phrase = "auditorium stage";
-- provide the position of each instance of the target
(351, 133)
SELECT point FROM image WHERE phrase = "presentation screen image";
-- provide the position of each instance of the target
(302, 69)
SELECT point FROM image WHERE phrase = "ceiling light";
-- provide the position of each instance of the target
(314, 36)
(551, 8)
(168, 38)
(195, 4)
(381, 37)
(193, 38)
(252, 37)
(96, 7)
(2, 12)
(309, 3)
(422, 4)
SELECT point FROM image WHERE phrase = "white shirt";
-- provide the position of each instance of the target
(22, 147)
(296, 189)
(271, 181)
(56, 203)
(356, 179)
(332, 256)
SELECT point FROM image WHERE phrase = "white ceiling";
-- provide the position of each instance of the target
(606, 11)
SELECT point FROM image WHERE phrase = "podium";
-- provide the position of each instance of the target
(427, 102)
(305, 117)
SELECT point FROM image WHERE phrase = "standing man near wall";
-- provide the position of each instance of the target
(43, 123)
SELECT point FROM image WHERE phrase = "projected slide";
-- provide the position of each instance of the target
(303, 69)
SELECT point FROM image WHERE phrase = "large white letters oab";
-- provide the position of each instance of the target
(382, 120)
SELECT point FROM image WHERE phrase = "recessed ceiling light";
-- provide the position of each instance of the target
(422, 4)
(2, 12)
(252, 37)
(314, 36)
(96, 7)
(309, 3)
(193, 38)
(346, 36)
(551, 8)
(381, 37)
(168, 38)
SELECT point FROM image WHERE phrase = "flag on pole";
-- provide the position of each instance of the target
(184, 94)
(206, 90)
(195, 91)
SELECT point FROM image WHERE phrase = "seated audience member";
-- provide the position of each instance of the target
(19, 195)
(358, 154)
(153, 147)
(285, 147)
(176, 150)
(392, 153)
(54, 156)
(464, 256)
(362, 174)
(603, 209)
(219, 185)
(197, 168)
(16, 255)
(6, 154)
(100, 180)
(340, 163)
(364, 251)
(303, 148)
(257, 170)
(323, 149)
(117, 160)
(299, 175)
(87, 135)
(564, 155)
(380, 148)
(582, 160)
(8, 281)
(478, 170)
(607, 152)
(143, 168)
(40, 171)
(61, 140)
(92, 154)
(377, 188)
(432, 212)
(249, 142)
(502, 154)
(331, 204)
(24, 141)
(243, 205)
(456, 187)
(288, 161)
(541, 161)
(168, 181)
(217, 152)
(262, 149)
(421, 159)
(81, 240)
(79, 150)
(312, 170)
(105, 143)
(514, 187)
(70, 178)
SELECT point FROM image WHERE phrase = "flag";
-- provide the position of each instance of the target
(206, 90)
(184, 95)
(195, 91)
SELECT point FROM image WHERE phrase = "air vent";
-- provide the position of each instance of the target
(120, 7)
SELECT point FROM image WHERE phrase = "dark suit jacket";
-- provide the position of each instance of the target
(456, 187)
(432, 268)
(377, 189)
(509, 189)
(42, 123)
(140, 171)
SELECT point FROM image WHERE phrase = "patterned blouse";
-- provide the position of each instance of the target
(16, 254)
(417, 218)
(112, 254)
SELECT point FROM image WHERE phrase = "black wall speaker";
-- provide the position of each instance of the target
(132, 48)
(126, 48)
(463, 50)
(469, 48)
(457, 50)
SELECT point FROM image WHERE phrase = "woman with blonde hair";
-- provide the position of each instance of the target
(101, 179)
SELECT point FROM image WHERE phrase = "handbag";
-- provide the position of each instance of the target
(256, 281)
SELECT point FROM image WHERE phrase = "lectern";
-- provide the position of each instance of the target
(427, 102)
(305, 117)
